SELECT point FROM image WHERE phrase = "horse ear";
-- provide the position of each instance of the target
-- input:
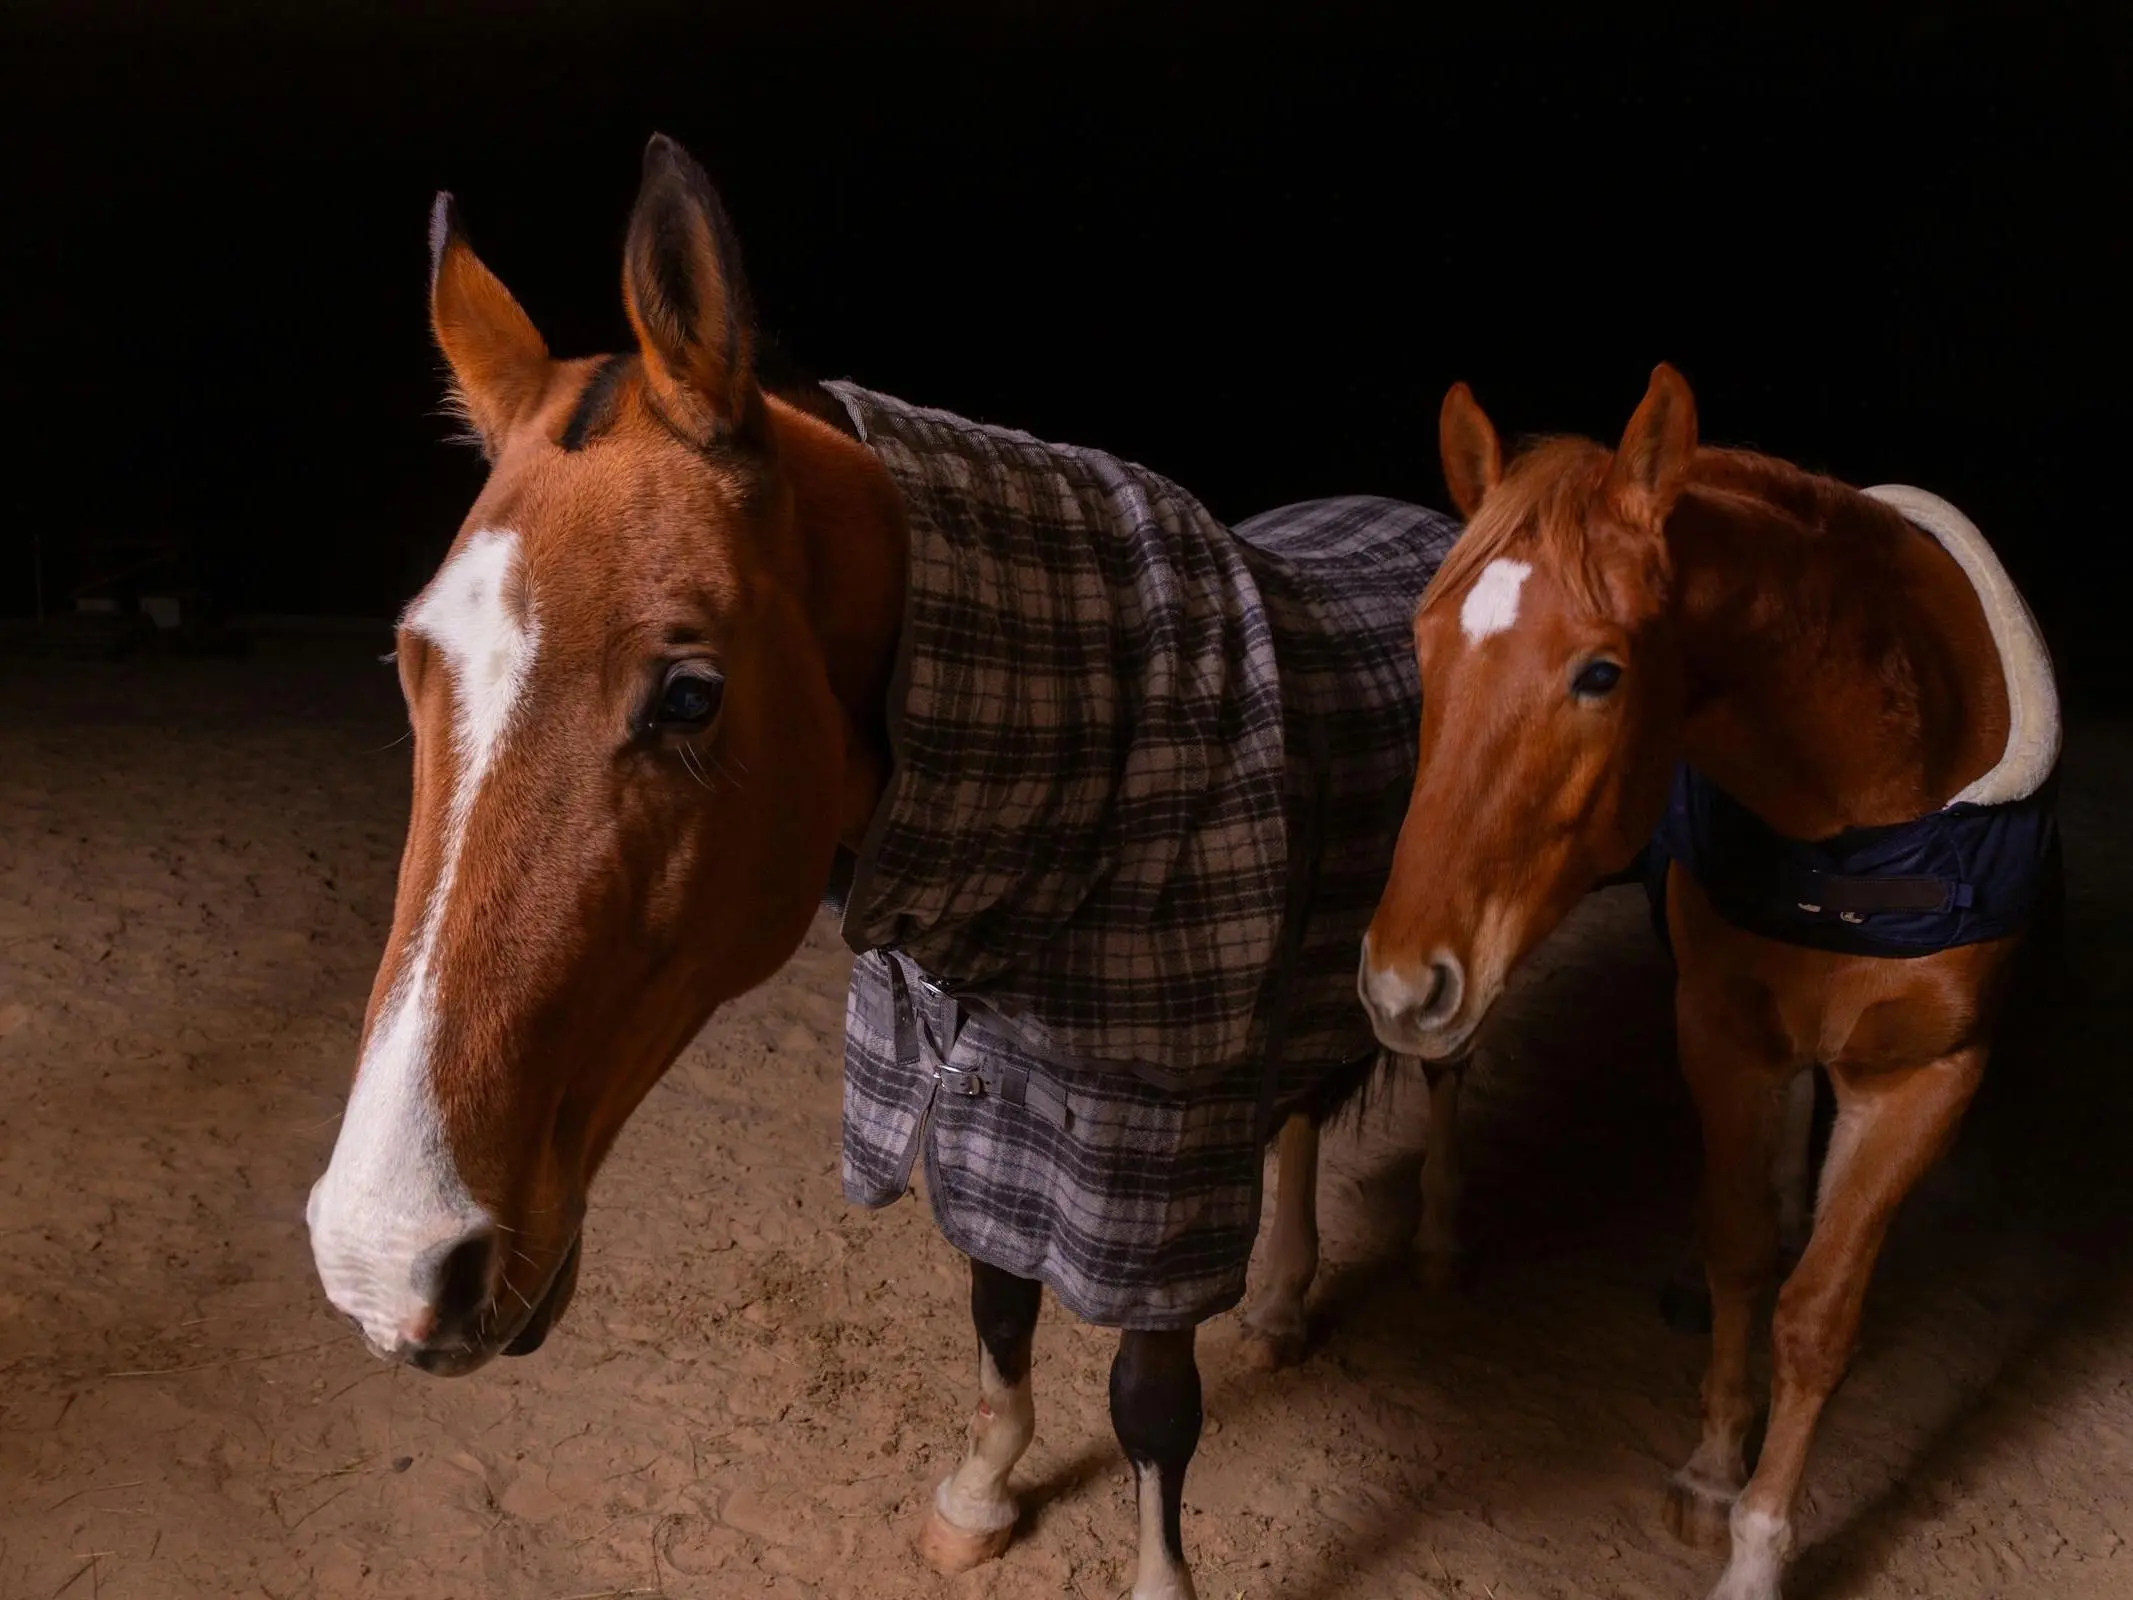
(1473, 460)
(682, 286)
(499, 362)
(1652, 462)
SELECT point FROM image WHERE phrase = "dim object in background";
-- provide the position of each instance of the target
(115, 626)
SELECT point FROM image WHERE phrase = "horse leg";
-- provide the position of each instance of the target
(1274, 1323)
(1794, 1176)
(1737, 1091)
(1443, 1180)
(1891, 1126)
(1685, 1302)
(1155, 1410)
(972, 1516)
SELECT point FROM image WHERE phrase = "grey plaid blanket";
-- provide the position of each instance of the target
(1147, 777)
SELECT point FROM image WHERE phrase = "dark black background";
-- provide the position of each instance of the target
(1247, 247)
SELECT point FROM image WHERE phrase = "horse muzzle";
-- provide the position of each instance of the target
(1421, 1009)
(463, 1333)
(448, 1308)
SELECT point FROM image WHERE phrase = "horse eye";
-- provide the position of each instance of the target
(689, 700)
(1596, 678)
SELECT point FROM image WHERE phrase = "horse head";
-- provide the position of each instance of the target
(1552, 694)
(633, 760)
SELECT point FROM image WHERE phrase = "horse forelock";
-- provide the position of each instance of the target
(1538, 515)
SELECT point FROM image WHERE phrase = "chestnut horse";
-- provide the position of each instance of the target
(1828, 661)
(650, 690)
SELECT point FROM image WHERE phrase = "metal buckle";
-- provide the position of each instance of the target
(1853, 917)
(964, 1081)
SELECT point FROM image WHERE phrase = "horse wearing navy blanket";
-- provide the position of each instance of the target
(1106, 792)
(1837, 710)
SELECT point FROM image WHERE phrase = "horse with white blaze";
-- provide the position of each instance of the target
(1106, 792)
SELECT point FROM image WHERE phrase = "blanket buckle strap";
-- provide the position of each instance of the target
(965, 1081)
(932, 1007)
(1853, 899)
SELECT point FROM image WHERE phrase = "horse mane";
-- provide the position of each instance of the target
(1543, 504)
(783, 378)
(777, 375)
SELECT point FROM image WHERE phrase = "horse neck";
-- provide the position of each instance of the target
(1841, 671)
(849, 523)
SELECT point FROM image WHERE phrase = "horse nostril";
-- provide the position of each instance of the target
(1439, 976)
(453, 1281)
(1447, 987)
(1427, 1001)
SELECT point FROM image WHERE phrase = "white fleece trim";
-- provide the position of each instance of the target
(2034, 732)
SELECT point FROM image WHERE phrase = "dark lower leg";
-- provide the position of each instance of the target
(1003, 1308)
(1155, 1408)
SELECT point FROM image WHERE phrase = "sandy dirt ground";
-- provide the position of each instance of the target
(759, 1384)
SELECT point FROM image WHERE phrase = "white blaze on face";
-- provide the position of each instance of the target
(1491, 605)
(392, 1192)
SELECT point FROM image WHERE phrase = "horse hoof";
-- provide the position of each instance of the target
(1273, 1332)
(1274, 1336)
(1699, 1514)
(1269, 1348)
(950, 1550)
(1174, 1585)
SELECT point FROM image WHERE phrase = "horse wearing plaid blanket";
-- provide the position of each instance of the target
(1107, 793)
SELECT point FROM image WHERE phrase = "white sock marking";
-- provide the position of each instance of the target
(392, 1189)
(1159, 1575)
(1762, 1544)
(1491, 605)
(974, 1497)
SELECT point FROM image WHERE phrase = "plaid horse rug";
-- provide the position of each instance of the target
(1148, 773)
